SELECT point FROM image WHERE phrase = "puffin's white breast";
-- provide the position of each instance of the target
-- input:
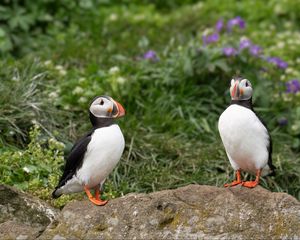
(244, 137)
(103, 153)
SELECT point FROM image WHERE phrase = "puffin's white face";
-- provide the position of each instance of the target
(106, 107)
(240, 89)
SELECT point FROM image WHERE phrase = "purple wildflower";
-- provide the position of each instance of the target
(236, 21)
(245, 43)
(229, 51)
(151, 55)
(282, 121)
(255, 50)
(210, 38)
(293, 86)
(219, 25)
(278, 62)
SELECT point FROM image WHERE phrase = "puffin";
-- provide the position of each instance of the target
(246, 138)
(94, 156)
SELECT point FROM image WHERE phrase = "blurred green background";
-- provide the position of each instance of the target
(169, 63)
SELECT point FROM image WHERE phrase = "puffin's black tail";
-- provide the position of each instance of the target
(272, 172)
(55, 194)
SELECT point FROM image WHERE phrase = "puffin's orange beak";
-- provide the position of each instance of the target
(121, 110)
(235, 93)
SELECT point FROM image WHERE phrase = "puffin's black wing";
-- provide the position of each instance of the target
(270, 163)
(74, 161)
(269, 147)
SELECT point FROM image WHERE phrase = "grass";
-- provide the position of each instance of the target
(172, 104)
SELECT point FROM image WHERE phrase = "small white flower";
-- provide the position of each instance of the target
(283, 77)
(297, 41)
(288, 33)
(113, 17)
(286, 98)
(61, 144)
(289, 70)
(82, 100)
(121, 80)
(48, 63)
(59, 67)
(295, 73)
(26, 169)
(295, 127)
(67, 107)
(198, 6)
(288, 24)
(53, 95)
(280, 44)
(243, 38)
(34, 122)
(16, 77)
(278, 9)
(77, 90)
(114, 70)
(207, 31)
(272, 27)
(62, 72)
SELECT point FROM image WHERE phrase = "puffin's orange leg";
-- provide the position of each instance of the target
(98, 201)
(252, 184)
(237, 181)
(97, 193)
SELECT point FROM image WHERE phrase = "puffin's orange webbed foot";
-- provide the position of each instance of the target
(234, 183)
(96, 200)
(237, 181)
(250, 184)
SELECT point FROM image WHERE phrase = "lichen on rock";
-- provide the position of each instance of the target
(191, 212)
(23, 216)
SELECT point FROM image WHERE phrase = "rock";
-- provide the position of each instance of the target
(23, 216)
(191, 212)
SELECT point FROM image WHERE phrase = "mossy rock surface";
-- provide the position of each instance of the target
(23, 216)
(191, 212)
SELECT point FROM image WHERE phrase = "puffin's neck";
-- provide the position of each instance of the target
(243, 103)
(100, 122)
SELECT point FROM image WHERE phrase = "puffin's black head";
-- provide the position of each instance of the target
(104, 109)
(240, 89)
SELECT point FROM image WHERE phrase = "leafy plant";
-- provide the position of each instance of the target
(35, 168)
(22, 21)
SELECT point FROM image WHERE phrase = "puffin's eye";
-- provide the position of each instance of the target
(247, 84)
(101, 102)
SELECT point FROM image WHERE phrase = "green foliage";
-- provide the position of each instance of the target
(24, 101)
(33, 165)
(21, 22)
